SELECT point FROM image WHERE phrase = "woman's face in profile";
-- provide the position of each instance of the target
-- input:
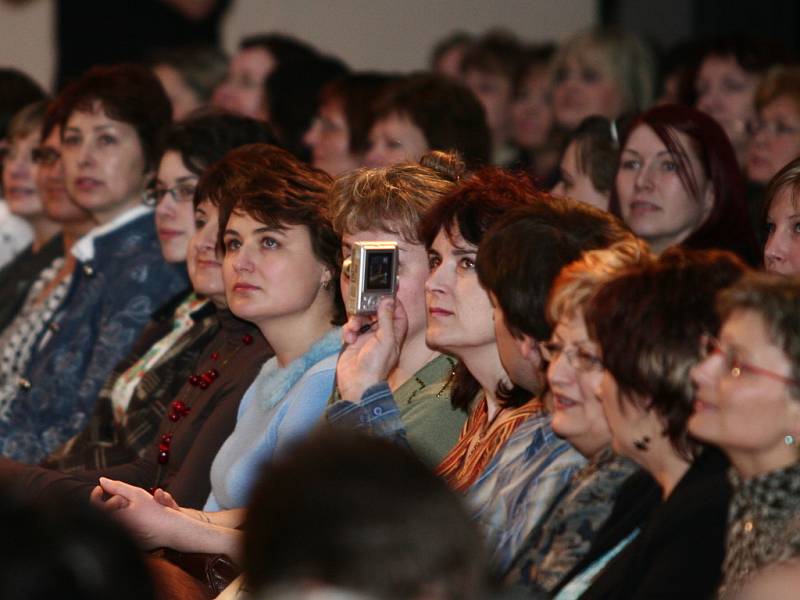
(653, 200)
(577, 184)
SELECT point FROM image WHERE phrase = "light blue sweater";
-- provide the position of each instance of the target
(271, 418)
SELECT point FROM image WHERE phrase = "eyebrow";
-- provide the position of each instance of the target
(183, 179)
(268, 230)
(463, 251)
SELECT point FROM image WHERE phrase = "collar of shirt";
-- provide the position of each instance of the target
(83, 249)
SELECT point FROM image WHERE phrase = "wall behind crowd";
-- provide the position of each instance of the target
(378, 34)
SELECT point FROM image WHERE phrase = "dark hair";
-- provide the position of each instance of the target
(128, 93)
(472, 207)
(202, 67)
(597, 150)
(522, 254)
(448, 113)
(682, 61)
(357, 93)
(362, 514)
(648, 322)
(16, 90)
(292, 92)
(275, 188)
(283, 48)
(206, 137)
(498, 52)
(67, 550)
(752, 54)
(533, 57)
(728, 225)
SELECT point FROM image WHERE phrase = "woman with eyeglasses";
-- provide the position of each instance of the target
(665, 538)
(748, 404)
(574, 368)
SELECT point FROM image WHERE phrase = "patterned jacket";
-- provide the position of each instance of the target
(110, 300)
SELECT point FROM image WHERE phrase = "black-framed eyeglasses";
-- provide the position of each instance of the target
(580, 359)
(181, 194)
(709, 345)
(45, 156)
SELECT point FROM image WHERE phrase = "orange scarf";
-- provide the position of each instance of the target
(480, 440)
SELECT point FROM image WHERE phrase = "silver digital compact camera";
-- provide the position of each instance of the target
(372, 270)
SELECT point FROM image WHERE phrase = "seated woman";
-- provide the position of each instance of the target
(24, 199)
(411, 385)
(121, 277)
(588, 164)
(656, 313)
(137, 395)
(428, 112)
(280, 264)
(338, 134)
(782, 248)
(678, 183)
(748, 404)
(600, 73)
(563, 536)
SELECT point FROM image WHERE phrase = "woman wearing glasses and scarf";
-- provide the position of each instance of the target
(748, 404)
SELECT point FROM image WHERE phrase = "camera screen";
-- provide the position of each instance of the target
(379, 271)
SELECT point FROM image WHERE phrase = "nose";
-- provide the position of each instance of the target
(374, 157)
(706, 372)
(708, 102)
(438, 281)
(560, 371)
(558, 189)
(644, 179)
(166, 208)
(242, 261)
(19, 167)
(311, 136)
(775, 250)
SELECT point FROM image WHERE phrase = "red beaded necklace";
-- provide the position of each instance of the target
(181, 408)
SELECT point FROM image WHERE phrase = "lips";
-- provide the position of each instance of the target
(563, 402)
(643, 207)
(205, 263)
(435, 311)
(87, 184)
(18, 191)
(245, 287)
(168, 234)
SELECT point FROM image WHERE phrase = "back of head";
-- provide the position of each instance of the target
(292, 94)
(364, 515)
(392, 199)
(779, 81)
(205, 137)
(597, 150)
(521, 255)
(27, 120)
(447, 112)
(58, 549)
(129, 93)
(648, 322)
(498, 52)
(753, 54)
(16, 90)
(283, 48)
(202, 68)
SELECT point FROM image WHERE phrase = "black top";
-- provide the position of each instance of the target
(679, 549)
(17, 278)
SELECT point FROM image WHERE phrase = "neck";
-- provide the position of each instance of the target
(750, 465)
(43, 231)
(291, 337)
(414, 355)
(659, 244)
(664, 464)
(484, 364)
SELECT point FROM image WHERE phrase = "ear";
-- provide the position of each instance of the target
(529, 349)
(708, 201)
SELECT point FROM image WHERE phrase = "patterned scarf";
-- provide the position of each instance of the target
(480, 440)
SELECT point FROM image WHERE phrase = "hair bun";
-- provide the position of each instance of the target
(448, 165)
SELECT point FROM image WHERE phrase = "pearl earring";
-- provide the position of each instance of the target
(788, 440)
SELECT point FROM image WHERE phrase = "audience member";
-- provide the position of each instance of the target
(448, 53)
(678, 183)
(748, 404)
(428, 112)
(391, 382)
(781, 218)
(518, 260)
(489, 68)
(564, 534)
(601, 72)
(730, 71)
(338, 136)
(111, 121)
(589, 162)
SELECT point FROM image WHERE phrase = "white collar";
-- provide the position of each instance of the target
(83, 249)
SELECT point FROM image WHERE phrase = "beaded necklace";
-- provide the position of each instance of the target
(181, 408)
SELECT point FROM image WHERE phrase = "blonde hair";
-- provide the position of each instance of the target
(392, 199)
(579, 280)
(779, 81)
(628, 60)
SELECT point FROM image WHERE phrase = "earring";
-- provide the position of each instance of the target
(326, 285)
(788, 440)
(642, 444)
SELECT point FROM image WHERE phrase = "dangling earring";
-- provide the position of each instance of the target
(642, 444)
(326, 285)
(788, 440)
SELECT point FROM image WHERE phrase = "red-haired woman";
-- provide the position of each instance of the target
(679, 183)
